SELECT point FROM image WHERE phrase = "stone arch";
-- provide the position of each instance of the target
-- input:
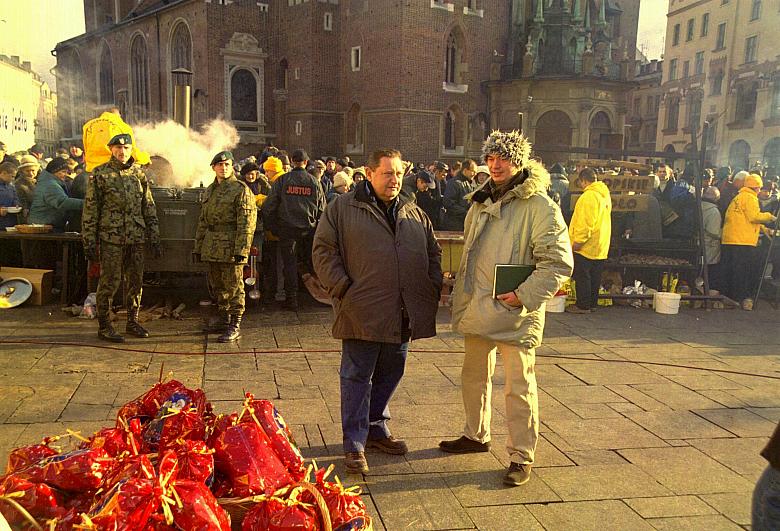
(454, 128)
(739, 155)
(105, 75)
(599, 125)
(553, 136)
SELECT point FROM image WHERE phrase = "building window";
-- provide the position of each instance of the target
(755, 11)
(354, 129)
(139, 78)
(686, 69)
(243, 96)
(774, 112)
(698, 64)
(355, 58)
(689, 31)
(298, 128)
(449, 131)
(694, 117)
(453, 58)
(106, 78)
(747, 94)
(720, 41)
(672, 114)
(327, 21)
(263, 7)
(676, 35)
(672, 69)
(281, 75)
(637, 106)
(181, 48)
(751, 49)
(705, 24)
(716, 83)
(296, 73)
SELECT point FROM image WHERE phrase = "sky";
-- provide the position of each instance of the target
(31, 29)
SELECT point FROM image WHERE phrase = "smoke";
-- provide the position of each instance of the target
(188, 151)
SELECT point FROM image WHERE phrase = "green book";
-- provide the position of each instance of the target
(508, 276)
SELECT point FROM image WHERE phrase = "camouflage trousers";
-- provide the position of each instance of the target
(226, 282)
(118, 262)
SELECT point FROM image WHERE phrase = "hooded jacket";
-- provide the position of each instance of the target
(523, 227)
(294, 205)
(743, 219)
(373, 272)
(51, 204)
(591, 223)
(455, 203)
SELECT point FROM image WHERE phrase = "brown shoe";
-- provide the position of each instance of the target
(517, 475)
(355, 462)
(389, 445)
(464, 445)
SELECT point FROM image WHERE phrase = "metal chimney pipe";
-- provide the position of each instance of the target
(182, 96)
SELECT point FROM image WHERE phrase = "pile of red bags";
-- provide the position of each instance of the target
(169, 463)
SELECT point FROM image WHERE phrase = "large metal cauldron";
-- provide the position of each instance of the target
(178, 211)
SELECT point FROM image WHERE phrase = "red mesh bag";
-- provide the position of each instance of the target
(282, 440)
(38, 499)
(78, 471)
(21, 458)
(196, 508)
(243, 453)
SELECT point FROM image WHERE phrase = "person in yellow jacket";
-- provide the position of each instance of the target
(98, 131)
(739, 250)
(590, 231)
(273, 169)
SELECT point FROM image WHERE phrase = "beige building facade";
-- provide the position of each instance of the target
(722, 65)
(644, 102)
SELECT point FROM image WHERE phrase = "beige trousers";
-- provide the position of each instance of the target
(522, 404)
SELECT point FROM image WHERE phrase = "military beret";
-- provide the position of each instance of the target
(222, 156)
(122, 139)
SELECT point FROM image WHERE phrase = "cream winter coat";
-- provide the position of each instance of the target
(524, 227)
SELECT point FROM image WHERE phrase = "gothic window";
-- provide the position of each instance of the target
(747, 94)
(449, 130)
(694, 116)
(716, 83)
(453, 58)
(181, 48)
(281, 78)
(243, 96)
(354, 127)
(672, 113)
(774, 111)
(139, 78)
(106, 77)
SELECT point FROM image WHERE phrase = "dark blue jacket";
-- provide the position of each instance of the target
(8, 198)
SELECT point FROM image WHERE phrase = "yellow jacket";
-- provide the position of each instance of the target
(591, 224)
(96, 134)
(743, 219)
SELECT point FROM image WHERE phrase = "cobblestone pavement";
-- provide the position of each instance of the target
(627, 446)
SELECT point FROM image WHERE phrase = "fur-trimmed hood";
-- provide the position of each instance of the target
(537, 181)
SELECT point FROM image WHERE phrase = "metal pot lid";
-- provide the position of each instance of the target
(14, 292)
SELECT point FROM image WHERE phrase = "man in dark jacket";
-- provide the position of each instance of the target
(291, 212)
(428, 196)
(455, 204)
(51, 204)
(375, 253)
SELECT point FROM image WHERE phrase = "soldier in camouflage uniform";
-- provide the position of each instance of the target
(119, 217)
(227, 223)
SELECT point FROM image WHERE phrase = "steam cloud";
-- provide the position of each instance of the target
(188, 151)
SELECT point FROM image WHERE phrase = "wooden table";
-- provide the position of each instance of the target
(65, 240)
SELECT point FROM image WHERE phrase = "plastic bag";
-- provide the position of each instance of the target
(195, 461)
(258, 518)
(344, 504)
(127, 505)
(137, 466)
(39, 499)
(175, 420)
(21, 458)
(117, 441)
(77, 471)
(88, 309)
(282, 440)
(199, 510)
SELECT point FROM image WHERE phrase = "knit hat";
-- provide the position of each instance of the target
(349, 171)
(273, 164)
(27, 161)
(360, 170)
(57, 164)
(511, 146)
(249, 166)
(342, 179)
(753, 181)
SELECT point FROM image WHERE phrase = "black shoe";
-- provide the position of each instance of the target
(290, 304)
(134, 328)
(106, 332)
(517, 474)
(389, 445)
(218, 324)
(233, 331)
(464, 445)
(355, 462)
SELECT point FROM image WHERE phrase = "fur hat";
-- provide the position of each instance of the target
(511, 146)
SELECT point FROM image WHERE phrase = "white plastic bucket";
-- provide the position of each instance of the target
(557, 304)
(666, 303)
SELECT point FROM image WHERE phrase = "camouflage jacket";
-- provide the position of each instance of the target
(119, 207)
(227, 221)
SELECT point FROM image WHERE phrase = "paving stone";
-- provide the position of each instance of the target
(474, 489)
(596, 457)
(677, 425)
(448, 394)
(672, 467)
(546, 454)
(763, 397)
(724, 398)
(417, 502)
(609, 373)
(769, 413)
(294, 392)
(80, 412)
(638, 398)
(583, 394)
(595, 411)
(554, 376)
(677, 397)
(503, 518)
(703, 380)
(588, 516)
(304, 411)
(217, 367)
(235, 389)
(425, 457)
(713, 522)
(740, 422)
(735, 506)
(598, 434)
(740, 455)
(598, 482)
(430, 419)
(669, 506)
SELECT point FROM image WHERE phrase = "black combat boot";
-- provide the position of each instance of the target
(218, 324)
(133, 326)
(233, 331)
(106, 331)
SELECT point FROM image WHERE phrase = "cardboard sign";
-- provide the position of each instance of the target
(628, 183)
(622, 202)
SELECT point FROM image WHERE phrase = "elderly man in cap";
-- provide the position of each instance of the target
(51, 204)
(227, 221)
(512, 220)
(26, 178)
(118, 219)
(291, 212)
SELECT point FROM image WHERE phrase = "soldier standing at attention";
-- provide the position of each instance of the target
(227, 223)
(119, 217)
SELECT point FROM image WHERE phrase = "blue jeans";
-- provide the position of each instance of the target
(370, 373)
(766, 501)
